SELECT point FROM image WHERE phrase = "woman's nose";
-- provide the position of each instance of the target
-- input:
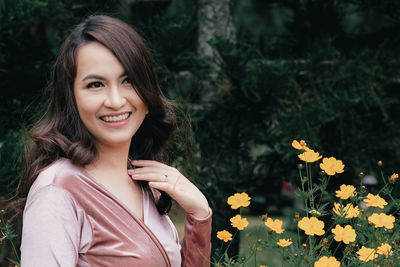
(114, 99)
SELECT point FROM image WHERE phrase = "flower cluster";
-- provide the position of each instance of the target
(364, 223)
(236, 201)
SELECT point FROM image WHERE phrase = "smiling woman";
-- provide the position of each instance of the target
(107, 116)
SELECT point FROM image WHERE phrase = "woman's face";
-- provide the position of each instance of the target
(107, 104)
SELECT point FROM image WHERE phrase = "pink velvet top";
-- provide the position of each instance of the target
(72, 220)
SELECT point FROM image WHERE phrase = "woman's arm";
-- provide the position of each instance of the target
(51, 232)
(196, 245)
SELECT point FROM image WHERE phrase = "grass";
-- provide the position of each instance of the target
(249, 237)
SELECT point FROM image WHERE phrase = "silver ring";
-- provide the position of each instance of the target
(165, 177)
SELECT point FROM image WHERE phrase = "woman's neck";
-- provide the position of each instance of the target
(110, 162)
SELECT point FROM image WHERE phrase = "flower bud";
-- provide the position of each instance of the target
(304, 245)
(361, 174)
(307, 259)
(297, 217)
(380, 163)
(300, 166)
(264, 217)
(324, 241)
(315, 213)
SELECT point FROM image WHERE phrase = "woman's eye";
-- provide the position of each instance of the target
(94, 85)
(126, 81)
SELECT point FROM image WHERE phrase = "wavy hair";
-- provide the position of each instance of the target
(61, 133)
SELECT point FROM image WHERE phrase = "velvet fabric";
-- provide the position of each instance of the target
(70, 219)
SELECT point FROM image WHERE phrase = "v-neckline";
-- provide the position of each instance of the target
(117, 199)
(134, 216)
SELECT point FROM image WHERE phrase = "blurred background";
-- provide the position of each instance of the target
(251, 75)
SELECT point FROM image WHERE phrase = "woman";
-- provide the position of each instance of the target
(98, 190)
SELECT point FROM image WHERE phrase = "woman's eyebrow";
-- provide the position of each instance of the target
(98, 77)
(93, 76)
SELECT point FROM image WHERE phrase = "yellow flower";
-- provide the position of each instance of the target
(274, 225)
(284, 242)
(375, 201)
(312, 226)
(385, 249)
(239, 222)
(224, 235)
(348, 212)
(331, 165)
(309, 156)
(239, 200)
(345, 191)
(382, 220)
(394, 177)
(344, 234)
(367, 254)
(300, 145)
(327, 262)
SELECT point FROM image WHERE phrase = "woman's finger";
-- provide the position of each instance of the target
(148, 163)
(146, 170)
(150, 176)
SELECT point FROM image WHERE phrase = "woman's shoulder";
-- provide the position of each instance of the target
(55, 174)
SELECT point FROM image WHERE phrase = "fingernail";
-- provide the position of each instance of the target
(131, 170)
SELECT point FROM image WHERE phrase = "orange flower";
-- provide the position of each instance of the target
(284, 242)
(239, 200)
(309, 156)
(239, 222)
(344, 234)
(382, 220)
(375, 201)
(348, 212)
(224, 235)
(300, 145)
(331, 165)
(274, 225)
(385, 249)
(327, 262)
(394, 177)
(367, 254)
(312, 226)
(346, 191)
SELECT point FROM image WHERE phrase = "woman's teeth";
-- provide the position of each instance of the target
(115, 118)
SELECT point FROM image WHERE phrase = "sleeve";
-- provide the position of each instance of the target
(196, 245)
(51, 229)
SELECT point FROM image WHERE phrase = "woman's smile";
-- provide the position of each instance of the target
(113, 118)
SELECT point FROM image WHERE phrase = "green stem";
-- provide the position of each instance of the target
(336, 248)
(302, 186)
(310, 185)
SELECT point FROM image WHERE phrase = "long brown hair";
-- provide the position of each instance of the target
(61, 133)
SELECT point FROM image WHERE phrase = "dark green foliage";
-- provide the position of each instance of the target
(11, 158)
